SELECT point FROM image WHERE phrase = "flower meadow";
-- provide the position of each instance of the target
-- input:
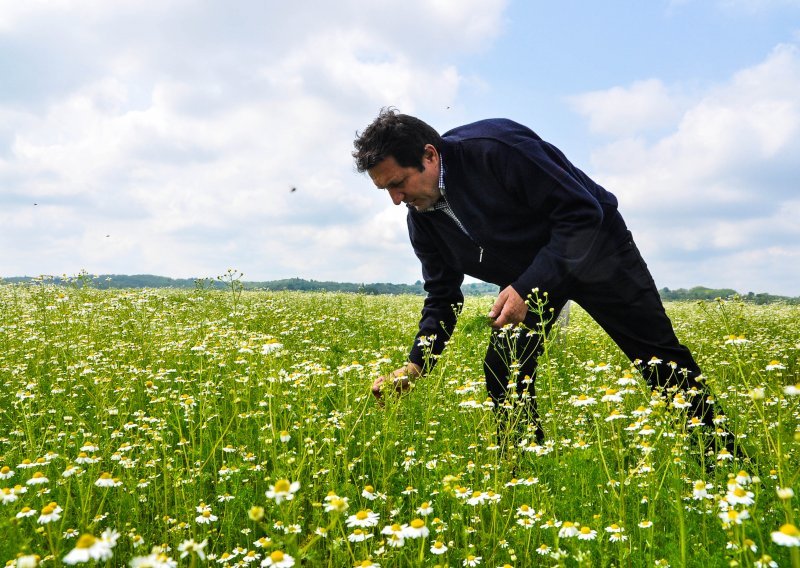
(237, 428)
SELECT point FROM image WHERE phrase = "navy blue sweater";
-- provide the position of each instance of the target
(532, 219)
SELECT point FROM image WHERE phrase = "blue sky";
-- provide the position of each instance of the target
(165, 137)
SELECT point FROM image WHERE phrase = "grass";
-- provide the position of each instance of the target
(166, 417)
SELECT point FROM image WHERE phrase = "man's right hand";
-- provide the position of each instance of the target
(398, 380)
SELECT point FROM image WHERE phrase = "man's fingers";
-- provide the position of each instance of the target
(376, 386)
(497, 308)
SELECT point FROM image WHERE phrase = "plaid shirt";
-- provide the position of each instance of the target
(443, 205)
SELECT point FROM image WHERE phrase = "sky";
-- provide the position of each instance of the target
(184, 138)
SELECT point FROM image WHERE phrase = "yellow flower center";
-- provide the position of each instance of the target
(369, 489)
(585, 530)
(85, 541)
(276, 556)
(417, 524)
(790, 530)
(283, 485)
(361, 515)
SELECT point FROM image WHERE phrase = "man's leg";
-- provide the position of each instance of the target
(510, 363)
(621, 296)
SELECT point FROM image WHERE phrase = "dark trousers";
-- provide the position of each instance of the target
(615, 287)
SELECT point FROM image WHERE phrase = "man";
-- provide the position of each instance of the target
(493, 200)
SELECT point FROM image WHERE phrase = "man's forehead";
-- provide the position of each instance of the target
(386, 172)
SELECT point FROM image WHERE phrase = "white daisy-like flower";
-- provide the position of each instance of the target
(7, 496)
(50, 513)
(37, 479)
(156, 559)
(89, 547)
(438, 547)
(106, 480)
(611, 395)
(364, 518)
(334, 503)
(6, 472)
(586, 533)
(425, 509)
(359, 535)
(472, 560)
(583, 400)
(477, 498)
(792, 390)
(278, 559)
(26, 512)
(416, 529)
(190, 546)
(775, 365)
(525, 511)
(568, 530)
(733, 517)
(271, 347)
(787, 535)
(700, 490)
(616, 533)
(283, 490)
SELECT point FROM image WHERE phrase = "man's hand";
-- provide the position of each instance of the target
(398, 380)
(508, 308)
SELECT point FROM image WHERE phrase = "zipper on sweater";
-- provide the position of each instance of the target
(461, 226)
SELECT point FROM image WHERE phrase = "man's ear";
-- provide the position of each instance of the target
(430, 153)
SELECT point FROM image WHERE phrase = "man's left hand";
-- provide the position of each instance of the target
(509, 308)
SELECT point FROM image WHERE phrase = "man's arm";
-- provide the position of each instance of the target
(443, 301)
(439, 313)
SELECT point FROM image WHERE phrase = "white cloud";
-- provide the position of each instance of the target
(718, 186)
(622, 111)
(166, 137)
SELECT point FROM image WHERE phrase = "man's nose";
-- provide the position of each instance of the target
(397, 196)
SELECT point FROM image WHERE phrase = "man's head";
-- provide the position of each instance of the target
(400, 136)
(401, 155)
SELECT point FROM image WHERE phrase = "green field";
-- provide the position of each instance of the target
(237, 428)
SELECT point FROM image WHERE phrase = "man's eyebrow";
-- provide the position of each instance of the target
(395, 183)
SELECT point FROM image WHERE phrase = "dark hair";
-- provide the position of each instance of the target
(400, 136)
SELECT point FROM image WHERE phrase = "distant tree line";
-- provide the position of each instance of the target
(117, 281)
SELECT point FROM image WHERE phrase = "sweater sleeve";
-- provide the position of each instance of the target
(443, 301)
(549, 184)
